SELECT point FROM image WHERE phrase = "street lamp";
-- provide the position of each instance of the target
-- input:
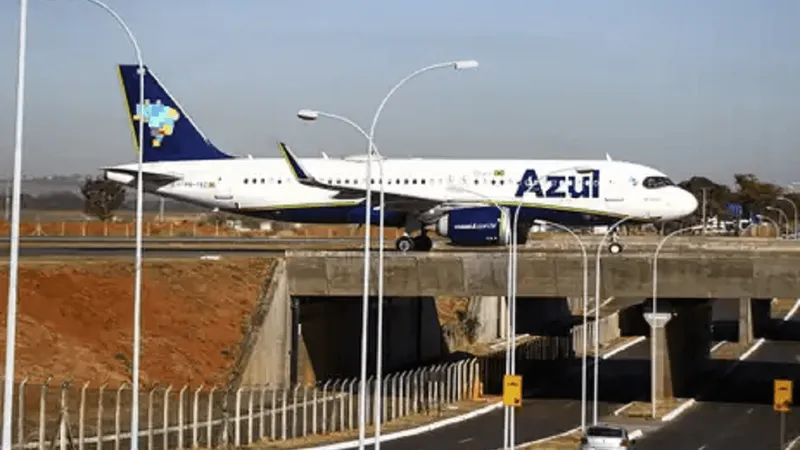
(794, 207)
(14, 247)
(310, 115)
(774, 224)
(509, 286)
(597, 313)
(511, 350)
(137, 293)
(654, 324)
(13, 263)
(585, 311)
(782, 215)
(458, 65)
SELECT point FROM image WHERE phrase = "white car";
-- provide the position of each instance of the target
(606, 437)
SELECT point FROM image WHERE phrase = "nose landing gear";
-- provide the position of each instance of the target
(614, 247)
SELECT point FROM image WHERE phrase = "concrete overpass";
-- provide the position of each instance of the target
(689, 278)
(760, 272)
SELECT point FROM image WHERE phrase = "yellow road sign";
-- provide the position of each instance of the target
(512, 390)
(783, 395)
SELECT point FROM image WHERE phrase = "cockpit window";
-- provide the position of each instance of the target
(657, 182)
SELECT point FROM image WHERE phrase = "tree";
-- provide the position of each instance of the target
(102, 197)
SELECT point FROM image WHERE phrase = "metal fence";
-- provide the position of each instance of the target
(83, 416)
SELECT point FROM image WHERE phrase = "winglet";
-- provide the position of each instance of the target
(294, 165)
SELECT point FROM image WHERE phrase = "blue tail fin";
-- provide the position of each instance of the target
(169, 134)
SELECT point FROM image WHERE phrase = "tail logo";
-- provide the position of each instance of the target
(159, 118)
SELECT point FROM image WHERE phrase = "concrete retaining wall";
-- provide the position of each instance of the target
(265, 350)
(608, 327)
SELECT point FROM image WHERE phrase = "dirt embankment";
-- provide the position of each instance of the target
(75, 318)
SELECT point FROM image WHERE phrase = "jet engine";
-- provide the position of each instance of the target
(476, 226)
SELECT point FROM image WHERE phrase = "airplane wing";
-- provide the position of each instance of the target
(394, 200)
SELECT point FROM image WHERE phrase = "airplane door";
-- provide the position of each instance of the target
(223, 194)
(614, 193)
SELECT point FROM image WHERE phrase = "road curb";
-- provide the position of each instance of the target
(412, 431)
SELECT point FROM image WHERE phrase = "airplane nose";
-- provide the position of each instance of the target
(689, 203)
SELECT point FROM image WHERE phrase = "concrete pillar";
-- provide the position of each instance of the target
(754, 318)
(659, 354)
(682, 345)
(745, 321)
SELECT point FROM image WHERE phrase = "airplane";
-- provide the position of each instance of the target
(472, 202)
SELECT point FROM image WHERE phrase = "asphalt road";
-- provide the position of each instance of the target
(541, 417)
(736, 413)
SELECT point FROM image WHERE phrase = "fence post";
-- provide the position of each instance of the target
(181, 419)
(165, 424)
(210, 418)
(273, 411)
(42, 406)
(262, 413)
(99, 445)
(305, 411)
(150, 409)
(295, 409)
(237, 441)
(351, 404)
(325, 406)
(21, 412)
(196, 416)
(400, 394)
(386, 382)
(285, 410)
(314, 410)
(250, 429)
(118, 416)
(81, 417)
(342, 398)
(64, 414)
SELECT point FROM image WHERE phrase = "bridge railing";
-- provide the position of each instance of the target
(82, 416)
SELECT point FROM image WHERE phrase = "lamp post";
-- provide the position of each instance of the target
(781, 215)
(585, 311)
(14, 256)
(597, 314)
(509, 295)
(311, 115)
(13, 262)
(774, 224)
(458, 65)
(655, 323)
(511, 349)
(794, 207)
(137, 293)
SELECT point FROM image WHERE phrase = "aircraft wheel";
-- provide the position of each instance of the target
(404, 244)
(423, 243)
(615, 248)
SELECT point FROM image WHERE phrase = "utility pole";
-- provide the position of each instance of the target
(704, 210)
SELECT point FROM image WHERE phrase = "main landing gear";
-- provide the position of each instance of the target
(421, 243)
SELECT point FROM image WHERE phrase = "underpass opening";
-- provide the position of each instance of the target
(326, 336)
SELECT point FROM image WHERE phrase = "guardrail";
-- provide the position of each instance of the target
(187, 416)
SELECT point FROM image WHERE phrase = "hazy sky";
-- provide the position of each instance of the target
(691, 87)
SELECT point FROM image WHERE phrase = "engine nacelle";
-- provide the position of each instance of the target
(475, 226)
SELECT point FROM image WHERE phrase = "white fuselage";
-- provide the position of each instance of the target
(262, 186)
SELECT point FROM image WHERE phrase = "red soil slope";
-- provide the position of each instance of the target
(75, 318)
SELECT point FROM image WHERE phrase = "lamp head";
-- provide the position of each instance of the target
(467, 64)
(308, 114)
(772, 208)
